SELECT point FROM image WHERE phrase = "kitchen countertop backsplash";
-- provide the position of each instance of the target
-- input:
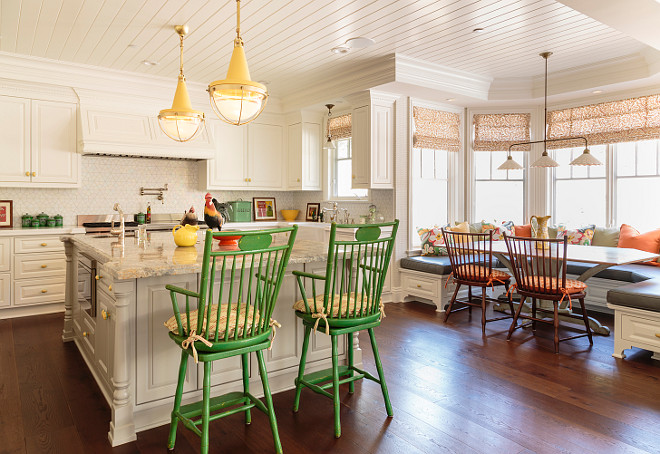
(106, 180)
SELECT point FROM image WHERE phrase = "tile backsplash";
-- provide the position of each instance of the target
(106, 180)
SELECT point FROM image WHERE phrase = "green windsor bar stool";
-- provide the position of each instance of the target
(354, 276)
(232, 316)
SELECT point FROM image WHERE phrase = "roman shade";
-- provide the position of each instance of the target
(497, 132)
(436, 129)
(340, 127)
(628, 120)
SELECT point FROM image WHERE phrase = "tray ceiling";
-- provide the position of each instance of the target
(288, 42)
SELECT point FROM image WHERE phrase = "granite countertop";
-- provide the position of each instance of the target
(159, 256)
(19, 231)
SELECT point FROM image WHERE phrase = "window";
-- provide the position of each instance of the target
(499, 194)
(342, 172)
(580, 191)
(429, 189)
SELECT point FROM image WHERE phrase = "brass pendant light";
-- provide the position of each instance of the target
(237, 99)
(329, 143)
(181, 122)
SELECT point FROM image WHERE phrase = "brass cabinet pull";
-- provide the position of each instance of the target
(44, 291)
(105, 315)
(354, 177)
(110, 288)
(97, 277)
(27, 174)
(250, 179)
(419, 285)
(657, 334)
(44, 266)
(34, 174)
(298, 180)
(44, 244)
(85, 334)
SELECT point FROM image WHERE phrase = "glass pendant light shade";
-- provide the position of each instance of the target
(238, 99)
(586, 159)
(329, 144)
(510, 164)
(181, 122)
(545, 161)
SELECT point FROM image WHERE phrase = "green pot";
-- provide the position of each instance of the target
(59, 220)
(43, 219)
(26, 221)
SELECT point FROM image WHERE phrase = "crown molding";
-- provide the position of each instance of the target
(442, 78)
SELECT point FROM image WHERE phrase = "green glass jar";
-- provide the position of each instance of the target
(140, 218)
(35, 223)
(51, 222)
(43, 219)
(59, 220)
(26, 221)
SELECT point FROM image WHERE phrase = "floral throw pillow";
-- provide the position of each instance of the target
(582, 236)
(433, 244)
(505, 228)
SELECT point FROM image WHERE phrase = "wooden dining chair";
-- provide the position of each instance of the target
(349, 302)
(539, 267)
(229, 316)
(471, 258)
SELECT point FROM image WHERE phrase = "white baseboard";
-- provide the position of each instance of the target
(26, 311)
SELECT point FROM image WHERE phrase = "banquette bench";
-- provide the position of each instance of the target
(631, 291)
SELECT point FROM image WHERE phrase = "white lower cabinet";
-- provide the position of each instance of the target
(157, 355)
(5, 289)
(105, 335)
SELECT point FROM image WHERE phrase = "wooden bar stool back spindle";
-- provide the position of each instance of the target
(350, 302)
(539, 267)
(471, 258)
(229, 316)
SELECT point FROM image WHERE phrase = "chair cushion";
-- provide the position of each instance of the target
(233, 311)
(642, 295)
(539, 284)
(348, 306)
(480, 273)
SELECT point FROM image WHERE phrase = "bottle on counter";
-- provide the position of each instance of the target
(148, 213)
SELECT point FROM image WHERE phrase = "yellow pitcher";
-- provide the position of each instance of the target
(539, 227)
(185, 236)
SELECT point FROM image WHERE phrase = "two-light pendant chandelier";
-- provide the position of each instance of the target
(236, 100)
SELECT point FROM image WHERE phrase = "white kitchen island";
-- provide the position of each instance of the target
(126, 346)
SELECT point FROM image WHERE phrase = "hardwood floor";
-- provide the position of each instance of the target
(452, 391)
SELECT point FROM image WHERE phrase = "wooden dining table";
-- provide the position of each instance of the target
(601, 256)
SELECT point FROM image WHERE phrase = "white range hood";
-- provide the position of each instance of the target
(129, 127)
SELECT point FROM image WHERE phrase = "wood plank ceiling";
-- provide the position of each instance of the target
(288, 42)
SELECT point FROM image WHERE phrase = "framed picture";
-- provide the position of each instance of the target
(264, 208)
(6, 214)
(313, 210)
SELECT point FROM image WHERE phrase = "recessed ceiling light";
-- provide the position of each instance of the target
(149, 62)
(478, 30)
(343, 49)
(359, 42)
(595, 92)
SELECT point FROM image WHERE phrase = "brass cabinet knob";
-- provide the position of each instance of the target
(44, 291)
(85, 334)
(44, 266)
(109, 288)
(246, 180)
(27, 174)
(105, 315)
(657, 334)
(97, 277)
(354, 177)
(34, 174)
(44, 244)
(419, 285)
(298, 180)
(250, 179)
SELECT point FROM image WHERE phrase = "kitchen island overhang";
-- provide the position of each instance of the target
(127, 348)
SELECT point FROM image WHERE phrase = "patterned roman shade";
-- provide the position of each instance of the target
(628, 120)
(497, 132)
(340, 127)
(436, 129)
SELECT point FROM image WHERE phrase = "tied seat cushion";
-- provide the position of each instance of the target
(233, 313)
(480, 273)
(347, 306)
(542, 284)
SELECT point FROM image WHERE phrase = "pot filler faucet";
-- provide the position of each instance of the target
(121, 230)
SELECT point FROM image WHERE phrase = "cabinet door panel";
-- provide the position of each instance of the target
(382, 146)
(265, 156)
(15, 133)
(5, 254)
(311, 159)
(295, 153)
(105, 334)
(54, 155)
(361, 147)
(5, 289)
(157, 355)
(228, 167)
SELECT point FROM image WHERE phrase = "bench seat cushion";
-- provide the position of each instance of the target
(642, 295)
(624, 273)
(434, 265)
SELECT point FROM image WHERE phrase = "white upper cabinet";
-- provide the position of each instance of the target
(304, 153)
(39, 143)
(249, 156)
(373, 141)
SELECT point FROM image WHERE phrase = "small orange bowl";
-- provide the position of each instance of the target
(229, 240)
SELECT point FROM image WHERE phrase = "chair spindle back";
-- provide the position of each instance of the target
(470, 254)
(539, 265)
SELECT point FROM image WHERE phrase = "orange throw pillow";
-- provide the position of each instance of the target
(648, 241)
(523, 230)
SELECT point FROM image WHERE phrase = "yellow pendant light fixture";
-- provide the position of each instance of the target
(181, 122)
(237, 99)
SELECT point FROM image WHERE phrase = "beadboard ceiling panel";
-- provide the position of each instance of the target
(288, 42)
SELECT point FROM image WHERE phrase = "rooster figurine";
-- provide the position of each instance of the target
(189, 217)
(215, 213)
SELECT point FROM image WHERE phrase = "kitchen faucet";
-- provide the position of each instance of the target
(121, 231)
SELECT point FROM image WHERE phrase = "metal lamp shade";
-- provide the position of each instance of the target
(181, 122)
(586, 159)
